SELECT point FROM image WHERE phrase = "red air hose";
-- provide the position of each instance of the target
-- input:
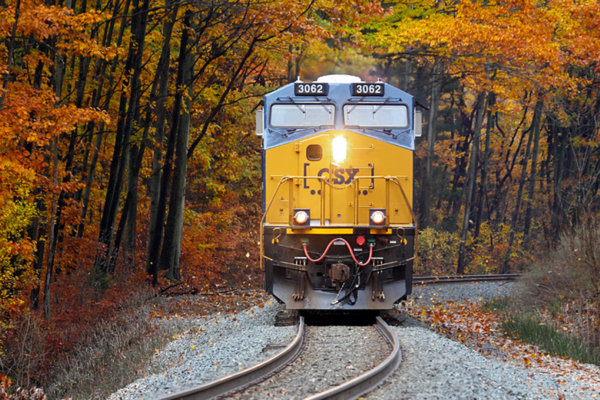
(349, 248)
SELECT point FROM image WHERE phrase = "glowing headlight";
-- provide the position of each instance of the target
(377, 217)
(339, 149)
(301, 217)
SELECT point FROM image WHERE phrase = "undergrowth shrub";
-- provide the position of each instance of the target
(111, 354)
(25, 353)
(558, 303)
(438, 252)
(19, 393)
(487, 252)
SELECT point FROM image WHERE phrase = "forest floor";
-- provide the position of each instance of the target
(471, 322)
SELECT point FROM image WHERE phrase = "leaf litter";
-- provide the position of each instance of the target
(468, 323)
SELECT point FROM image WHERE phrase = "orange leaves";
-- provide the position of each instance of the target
(524, 43)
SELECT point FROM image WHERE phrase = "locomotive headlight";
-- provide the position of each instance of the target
(339, 149)
(377, 217)
(301, 217)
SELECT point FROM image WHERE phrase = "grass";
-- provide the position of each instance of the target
(557, 303)
(498, 305)
(533, 329)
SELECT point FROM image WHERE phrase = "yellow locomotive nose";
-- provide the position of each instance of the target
(339, 147)
(338, 174)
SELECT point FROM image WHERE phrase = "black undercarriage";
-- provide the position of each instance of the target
(337, 281)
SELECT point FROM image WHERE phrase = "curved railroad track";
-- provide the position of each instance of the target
(251, 376)
(248, 376)
(371, 379)
(424, 280)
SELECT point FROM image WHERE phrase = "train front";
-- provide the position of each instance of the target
(338, 230)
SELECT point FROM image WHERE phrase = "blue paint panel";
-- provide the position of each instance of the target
(339, 94)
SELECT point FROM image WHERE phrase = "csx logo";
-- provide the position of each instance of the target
(340, 175)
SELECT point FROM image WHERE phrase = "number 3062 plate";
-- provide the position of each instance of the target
(311, 89)
(368, 89)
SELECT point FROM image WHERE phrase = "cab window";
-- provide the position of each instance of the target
(302, 115)
(376, 115)
(314, 152)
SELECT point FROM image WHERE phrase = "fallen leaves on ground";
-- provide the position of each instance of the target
(467, 323)
(227, 301)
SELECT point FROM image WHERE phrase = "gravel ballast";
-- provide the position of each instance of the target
(333, 355)
(433, 366)
(217, 346)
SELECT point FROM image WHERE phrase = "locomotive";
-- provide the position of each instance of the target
(338, 231)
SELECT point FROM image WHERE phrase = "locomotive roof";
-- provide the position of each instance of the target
(339, 93)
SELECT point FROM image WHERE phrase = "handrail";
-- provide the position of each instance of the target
(325, 181)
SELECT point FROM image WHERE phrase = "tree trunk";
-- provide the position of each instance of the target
(515, 217)
(532, 178)
(128, 112)
(54, 221)
(132, 196)
(154, 254)
(38, 228)
(484, 171)
(170, 257)
(471, 177)
(38, 231)
(11, 51)
(559, 166)
(96, 103)
(428, 181)
(159, 136)
(407, 69)
(52, 235)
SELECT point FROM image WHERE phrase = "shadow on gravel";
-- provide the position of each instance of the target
(351, 318)
(393, 320)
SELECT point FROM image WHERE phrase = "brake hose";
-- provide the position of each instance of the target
(349, 248)
(353, 290)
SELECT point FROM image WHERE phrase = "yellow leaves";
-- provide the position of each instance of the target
(525, 43)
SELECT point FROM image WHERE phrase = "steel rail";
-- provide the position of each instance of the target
(371, 379)
(246, 377)
(423, 280)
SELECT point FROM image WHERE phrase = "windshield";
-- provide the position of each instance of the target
(376, 115)
(302, 115)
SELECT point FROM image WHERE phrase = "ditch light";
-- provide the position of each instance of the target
(302, 217)
(377, 217)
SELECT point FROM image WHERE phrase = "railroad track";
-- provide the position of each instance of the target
(351, 389)
(423, 280)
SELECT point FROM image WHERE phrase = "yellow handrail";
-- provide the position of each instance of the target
(324, 181)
